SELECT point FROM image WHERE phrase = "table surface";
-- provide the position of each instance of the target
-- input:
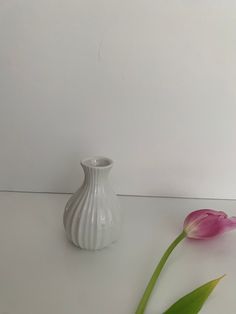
(42, 273)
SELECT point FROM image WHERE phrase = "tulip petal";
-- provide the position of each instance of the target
(207, 223)
(229, 224)
(201, 213)
(206, 228)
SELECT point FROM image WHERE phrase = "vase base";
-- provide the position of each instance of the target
(93, 248)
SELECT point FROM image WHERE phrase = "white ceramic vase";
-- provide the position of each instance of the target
(92, 214)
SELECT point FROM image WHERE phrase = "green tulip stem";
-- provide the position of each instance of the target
(143, 302)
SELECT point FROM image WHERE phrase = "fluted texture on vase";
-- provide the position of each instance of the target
(92, 217)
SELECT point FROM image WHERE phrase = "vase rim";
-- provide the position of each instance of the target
(98, 162)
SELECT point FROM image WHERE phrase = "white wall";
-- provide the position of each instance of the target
(151, 84)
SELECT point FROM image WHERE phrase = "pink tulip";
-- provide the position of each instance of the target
(199, 224)
(207, 223)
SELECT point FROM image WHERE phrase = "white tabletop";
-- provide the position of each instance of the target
(41, 273)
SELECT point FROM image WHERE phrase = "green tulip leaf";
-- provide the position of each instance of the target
(192, 303)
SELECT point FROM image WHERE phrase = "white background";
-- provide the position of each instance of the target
(150, 84)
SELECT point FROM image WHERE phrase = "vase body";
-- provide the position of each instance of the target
(92, 215)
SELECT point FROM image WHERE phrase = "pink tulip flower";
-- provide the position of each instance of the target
(207, 223)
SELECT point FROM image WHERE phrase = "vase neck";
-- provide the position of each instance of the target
(96, 170)
(95, 176)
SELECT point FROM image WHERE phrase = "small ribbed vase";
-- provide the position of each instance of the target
(92, 215)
